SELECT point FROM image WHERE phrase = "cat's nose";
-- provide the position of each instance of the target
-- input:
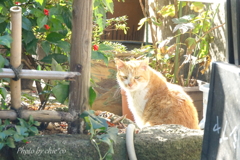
(130, 84)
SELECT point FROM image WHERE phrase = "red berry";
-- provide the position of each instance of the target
(95, 47)
(47, 27)
(46, 12)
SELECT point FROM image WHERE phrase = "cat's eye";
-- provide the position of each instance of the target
(137, 77)
(125, 77)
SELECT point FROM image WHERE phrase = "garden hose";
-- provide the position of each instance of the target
(130, 143)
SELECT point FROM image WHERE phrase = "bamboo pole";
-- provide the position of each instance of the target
(8, 114)
(41, 116)
(15, 58)
(35, 74)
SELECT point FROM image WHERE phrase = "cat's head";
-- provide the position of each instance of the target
(132, 75)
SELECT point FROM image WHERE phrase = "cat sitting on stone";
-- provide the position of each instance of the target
(152, 100)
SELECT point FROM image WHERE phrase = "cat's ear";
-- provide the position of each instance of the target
(119, 63)
(144, 64)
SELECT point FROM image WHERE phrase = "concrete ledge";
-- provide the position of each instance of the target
(169, 142)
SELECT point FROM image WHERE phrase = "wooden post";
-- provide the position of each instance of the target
(80, 61)
(15, 58)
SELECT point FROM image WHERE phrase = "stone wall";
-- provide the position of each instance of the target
(167, 142)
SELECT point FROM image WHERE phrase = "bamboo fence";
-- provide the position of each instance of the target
(15, 85)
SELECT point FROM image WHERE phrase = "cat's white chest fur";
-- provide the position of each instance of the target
(137, 102)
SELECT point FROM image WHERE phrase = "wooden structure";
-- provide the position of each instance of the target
(80, 63)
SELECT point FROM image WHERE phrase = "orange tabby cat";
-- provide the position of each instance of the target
(151, 99)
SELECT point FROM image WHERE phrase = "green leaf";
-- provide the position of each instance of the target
(92, 96)
(6, 40)
(2, 135)
(32, 47)
(188, 17)
(179, 20)
(2, 145)
(46, 47)
(3, 92)
(6, 63)
(56, 25)
(40, 2)
(99, 56)
(34, 130)
(96, 122)
(100, 16)
(60, 58)
(56, 10)
(109, 156)
(18, 137)
(42, 20)
(197, 6)
(3, 26)
(26, 24)
(39, 67)
(3, 105)
(142, 22)
(55, 66)
(156, 21)
(24, 141)
(206, 26)
(190, 42)
(104, 138)
(101, 23)
(28, 36)
(23, 123)
(59, 18)
(64, 45)
(86, 113)
(54, 37)
(37, 12)
(113, 133)
(183, 19)
(61, 92)
(104, 47)
(109, 5)
(2, 61)
(168, 10)
(10, 142)
(7, 122)
(36, 123)
(4, 9)
(30, 120)
(183, 27)
(21, 130)
(67, 17)
(2, 19)
(89, 126)
(9, 132)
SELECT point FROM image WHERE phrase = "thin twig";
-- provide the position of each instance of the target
(210, 31)
(143, 9)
